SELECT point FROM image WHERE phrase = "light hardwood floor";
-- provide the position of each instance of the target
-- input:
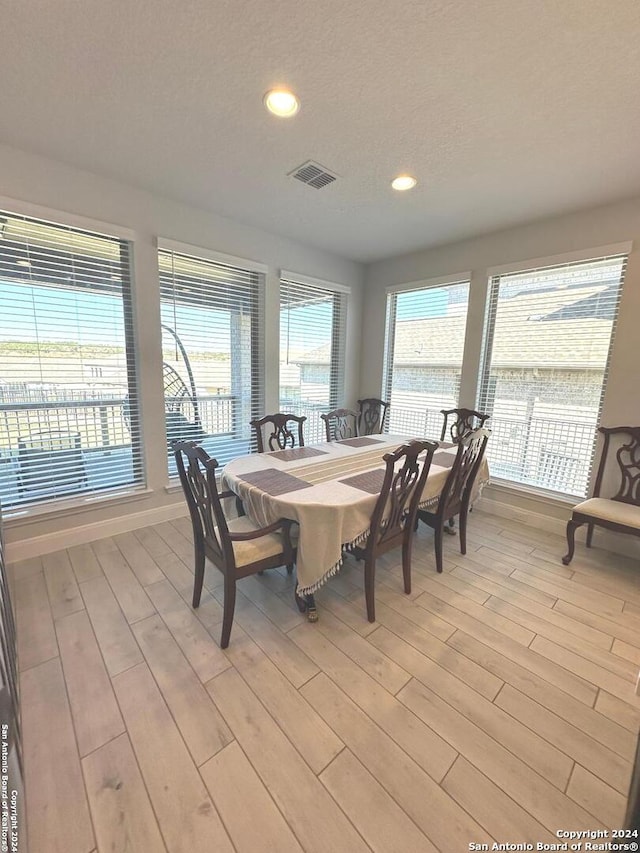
(495, 703)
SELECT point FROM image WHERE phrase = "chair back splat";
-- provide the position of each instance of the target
(198, 479)
(394, 518)
(236, 546)
(621, 512)
(372, 414)
(455, 497)
(463, 472)
(278, 432)
(340, 424)
(628, 459)
(402, 488)
(463, 424)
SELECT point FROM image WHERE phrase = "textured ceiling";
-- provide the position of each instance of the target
(505, 111)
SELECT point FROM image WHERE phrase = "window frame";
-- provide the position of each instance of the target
(87, 501)
(337, 366)
(258, 347)
(391, 320)
(484, 367)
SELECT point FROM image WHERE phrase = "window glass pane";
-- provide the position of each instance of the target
(311, 353)
(68, 409)
(212, 353)
(423, 363)
(547, 343)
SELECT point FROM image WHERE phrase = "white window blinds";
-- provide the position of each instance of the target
(423, 356)
(212, 351)
(312, 338)
(68, 407)
(547, 339)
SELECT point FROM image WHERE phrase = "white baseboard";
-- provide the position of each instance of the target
(69, 536)
(532, 519)
(627, 546)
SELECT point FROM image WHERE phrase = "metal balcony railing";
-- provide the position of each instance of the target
(541, 452)
(547, 453)
(99, 428)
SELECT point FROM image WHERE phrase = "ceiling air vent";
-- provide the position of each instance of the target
(313, 174)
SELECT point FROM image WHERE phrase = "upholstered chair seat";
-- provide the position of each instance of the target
(621, 512)
(251, 550)
(607, 509)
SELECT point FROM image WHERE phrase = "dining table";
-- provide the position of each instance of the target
(331, 490)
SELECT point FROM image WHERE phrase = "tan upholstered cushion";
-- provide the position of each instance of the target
(609, 510)
(253, 549)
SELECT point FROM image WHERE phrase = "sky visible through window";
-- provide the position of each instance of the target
(32, 313)
(305, 329)
(37, 313)
(418, 305)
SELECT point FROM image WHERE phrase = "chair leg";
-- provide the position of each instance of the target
(290, 568)
(369, 587)
(463, 531)
(590, 534)
(199, 576)
(572, 526)
(407, 545)
(229, 608)
(438, 544)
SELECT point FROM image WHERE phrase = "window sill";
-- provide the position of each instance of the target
(540, 495)
(64, 508)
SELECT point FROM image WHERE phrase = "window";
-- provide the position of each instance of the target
(547, 341)
(312, 330)
(68, 406)
(212, 352)
(423, 356)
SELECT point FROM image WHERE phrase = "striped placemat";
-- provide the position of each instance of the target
(444, 460)
(359, 442)
(368, 481)
(297, 453)
(274, 482)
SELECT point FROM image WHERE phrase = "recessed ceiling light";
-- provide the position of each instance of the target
(22, 262)
(281, 103)
(403, 182)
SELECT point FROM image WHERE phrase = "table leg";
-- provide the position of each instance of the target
(307, 604)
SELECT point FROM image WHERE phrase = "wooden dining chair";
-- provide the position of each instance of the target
(464, 422)
(394, 517)
(620, 513)
(276, 432)
(455, 497)
(372, 414)
(236, 546)
(340, 424)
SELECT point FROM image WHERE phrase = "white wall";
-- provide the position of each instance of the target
(564, 234)
(54, 185)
